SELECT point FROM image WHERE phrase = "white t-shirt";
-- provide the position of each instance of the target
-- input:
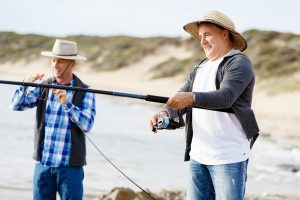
(218, 137)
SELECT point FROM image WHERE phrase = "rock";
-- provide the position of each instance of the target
(171, 195)
(126, 194)
(120, 194)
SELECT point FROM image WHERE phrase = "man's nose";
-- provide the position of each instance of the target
(54, 63)
(203, 41)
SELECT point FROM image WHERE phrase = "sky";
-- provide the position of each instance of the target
(141, 18)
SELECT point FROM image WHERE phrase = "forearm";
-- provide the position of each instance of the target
(24, 99)
(219, 99)
(82, 117)
(238, 77)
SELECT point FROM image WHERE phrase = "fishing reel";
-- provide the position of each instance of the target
(167, 123)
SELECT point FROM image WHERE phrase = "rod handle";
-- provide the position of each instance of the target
(157, 99)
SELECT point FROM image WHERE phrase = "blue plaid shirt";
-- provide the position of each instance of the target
(57, 142)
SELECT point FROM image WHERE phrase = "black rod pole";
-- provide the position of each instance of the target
(151, 98)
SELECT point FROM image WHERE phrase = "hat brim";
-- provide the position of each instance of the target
(50, 54)
(238, 42)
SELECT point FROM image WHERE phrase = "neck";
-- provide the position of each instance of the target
(64, 80)
(225, 51)
(222, 52)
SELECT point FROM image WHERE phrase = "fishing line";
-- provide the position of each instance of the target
(118, 169)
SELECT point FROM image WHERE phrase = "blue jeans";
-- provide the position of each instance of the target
(67, 181)
(217, 182)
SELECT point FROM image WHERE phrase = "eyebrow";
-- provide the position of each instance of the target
(207, 32)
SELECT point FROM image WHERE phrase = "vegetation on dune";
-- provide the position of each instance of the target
(275, 55)
(276, 59)
(173, 66)
(111, 53)
(15, 46)
(103, 53)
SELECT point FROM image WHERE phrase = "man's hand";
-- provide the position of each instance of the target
(154, 119)
(34, 77)
(61, 95)
(180, 100)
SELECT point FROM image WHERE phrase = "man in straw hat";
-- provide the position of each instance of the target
(222, 129)
(62, 117)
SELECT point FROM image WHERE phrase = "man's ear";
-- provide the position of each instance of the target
(226, 34)
(73, 63)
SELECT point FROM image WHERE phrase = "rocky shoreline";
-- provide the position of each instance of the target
(128, 194)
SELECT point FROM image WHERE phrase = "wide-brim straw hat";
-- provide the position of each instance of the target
(64, 49)
(218, 18)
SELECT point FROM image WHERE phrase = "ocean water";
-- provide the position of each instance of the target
(121, 132)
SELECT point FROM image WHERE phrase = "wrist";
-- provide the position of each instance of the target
(163, 114)
(68, 106)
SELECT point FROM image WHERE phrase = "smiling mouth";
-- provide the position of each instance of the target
(57, 71)
(206, 48)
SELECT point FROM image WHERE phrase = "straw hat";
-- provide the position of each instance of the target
(218, 18)
(64, 49)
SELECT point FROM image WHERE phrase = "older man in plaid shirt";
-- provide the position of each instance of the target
(62, 117)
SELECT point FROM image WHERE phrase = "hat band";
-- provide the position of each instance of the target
(217, 23)
(64, 54)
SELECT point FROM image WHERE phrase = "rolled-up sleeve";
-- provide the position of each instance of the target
(83, 117)
(25, 98)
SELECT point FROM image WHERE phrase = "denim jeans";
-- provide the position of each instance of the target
(217, 182)
(67, 181)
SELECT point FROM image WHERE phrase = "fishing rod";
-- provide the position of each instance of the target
(151, 98)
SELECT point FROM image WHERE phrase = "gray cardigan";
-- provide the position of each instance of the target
(234, 82)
